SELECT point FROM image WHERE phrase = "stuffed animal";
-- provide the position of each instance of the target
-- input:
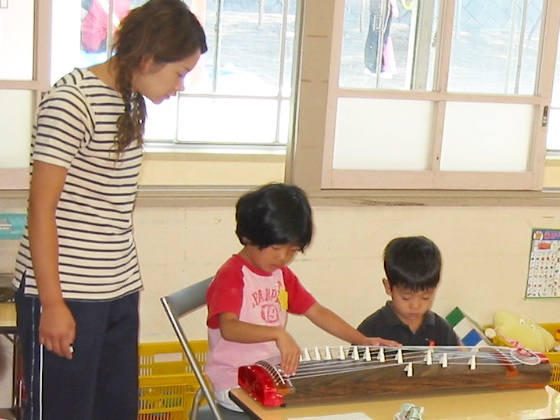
(520, 331)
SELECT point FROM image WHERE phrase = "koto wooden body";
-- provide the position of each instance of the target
(352, 374)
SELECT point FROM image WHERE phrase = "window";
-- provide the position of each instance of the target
(450, 98)
(244, 81)
(465, 101)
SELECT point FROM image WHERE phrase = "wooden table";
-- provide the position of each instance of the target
(503, 405)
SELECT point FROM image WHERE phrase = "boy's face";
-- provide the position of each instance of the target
(270, 258)
(410, 306)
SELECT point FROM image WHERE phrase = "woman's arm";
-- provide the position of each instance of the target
(57, 327)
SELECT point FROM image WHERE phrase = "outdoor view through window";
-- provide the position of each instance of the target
(391, 44)
(245, 79)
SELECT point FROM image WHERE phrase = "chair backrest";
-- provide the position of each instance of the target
(177, 305)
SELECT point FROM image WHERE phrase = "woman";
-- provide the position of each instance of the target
(77, 273)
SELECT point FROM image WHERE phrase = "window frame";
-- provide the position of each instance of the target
(314, 166)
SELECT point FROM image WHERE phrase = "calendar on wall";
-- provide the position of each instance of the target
(544, 264)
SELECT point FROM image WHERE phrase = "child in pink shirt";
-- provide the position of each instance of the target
(254, 290)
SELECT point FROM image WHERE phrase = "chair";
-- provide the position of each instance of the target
(177, 305)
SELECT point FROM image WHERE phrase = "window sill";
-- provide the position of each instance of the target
(204, 196)
(220, 196)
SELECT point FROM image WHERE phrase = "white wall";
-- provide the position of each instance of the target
(485, 252)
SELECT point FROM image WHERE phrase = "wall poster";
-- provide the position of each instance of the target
(544, 264)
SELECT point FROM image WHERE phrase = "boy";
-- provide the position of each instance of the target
(412, 266)
(254, 290)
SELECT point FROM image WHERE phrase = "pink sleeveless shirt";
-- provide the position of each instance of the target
(253, 295)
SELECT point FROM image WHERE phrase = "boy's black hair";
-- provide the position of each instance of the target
(274, 214)
(413, 263)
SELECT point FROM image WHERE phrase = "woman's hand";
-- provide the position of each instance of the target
(57, 329)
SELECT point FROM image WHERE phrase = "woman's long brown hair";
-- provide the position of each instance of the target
(163, 30)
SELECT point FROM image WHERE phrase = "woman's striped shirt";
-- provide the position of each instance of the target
(76, 128)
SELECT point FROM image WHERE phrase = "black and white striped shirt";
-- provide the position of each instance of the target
(75, 128)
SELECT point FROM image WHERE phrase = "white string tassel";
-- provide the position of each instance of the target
(317, 354)
(429, 357)
(444, 360)
(381, 355)
(399, 357)
(408, 369)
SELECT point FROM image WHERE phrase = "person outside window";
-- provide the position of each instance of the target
(379, 28)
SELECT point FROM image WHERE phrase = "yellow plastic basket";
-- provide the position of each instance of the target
(554, 329)
(555, 377)
(167, 382)
(554, 356)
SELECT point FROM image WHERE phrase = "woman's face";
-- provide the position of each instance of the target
(160, 81)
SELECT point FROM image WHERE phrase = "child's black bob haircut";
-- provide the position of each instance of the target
(413, 263)
(274, 214)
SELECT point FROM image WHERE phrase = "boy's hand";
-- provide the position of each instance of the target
(289, 352)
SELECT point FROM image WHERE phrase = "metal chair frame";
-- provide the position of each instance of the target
(176, 306)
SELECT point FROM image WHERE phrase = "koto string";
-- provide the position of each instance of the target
(456, 355)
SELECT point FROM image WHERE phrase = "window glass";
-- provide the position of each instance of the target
(242, 81)
(246, 40)
(495, 46)
(392, 44)
(477, 144)
(227, 120)
(15, 126)
(99, 19)
(389, 44)
(553, 129)
(166, 117)
(82, 31)
(383, 134)
(16, 39)
(67, 52)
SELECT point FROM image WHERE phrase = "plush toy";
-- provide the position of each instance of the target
(520, 331)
